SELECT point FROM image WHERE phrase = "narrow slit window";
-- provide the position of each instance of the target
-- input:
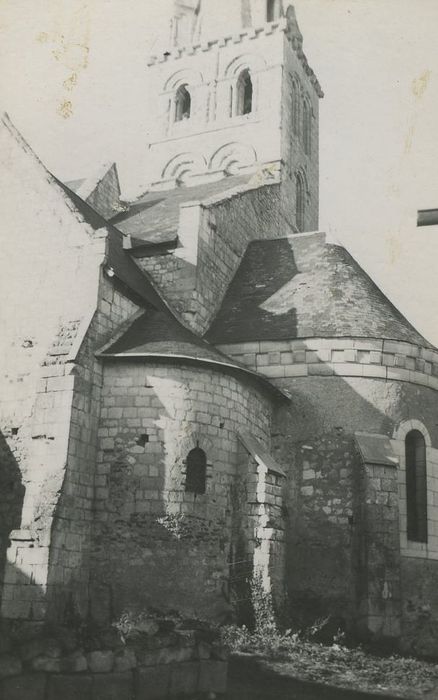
(295, 108)
(196, 471)
(416, 486)
(183, 104)
(307, 128)
(300, 202)
(244, 92)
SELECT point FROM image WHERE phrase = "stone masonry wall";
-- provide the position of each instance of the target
(151, 536)
(319, 541)
(348, 357)
(155, 656)
(343, 514)
(214, 131)
(258, 542)
(226, 226)
(292, 143)
(69, 565)
(48, 565)
(50, 275)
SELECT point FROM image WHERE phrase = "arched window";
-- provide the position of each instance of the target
(296, 102)
(183, 103)
(307, 127)
(272, 10)
(196, 471)
(416, 486)
(300, 201)
(244, 93)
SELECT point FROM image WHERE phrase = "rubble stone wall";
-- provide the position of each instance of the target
(347, 552)
(156, 658)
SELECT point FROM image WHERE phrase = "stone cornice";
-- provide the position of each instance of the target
(281, 25)
(346, 357)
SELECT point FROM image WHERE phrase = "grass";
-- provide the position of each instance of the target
(335, 664)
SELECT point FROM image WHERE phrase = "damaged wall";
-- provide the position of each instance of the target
(152, 537)
(49, 394)
(347, 554)
(48, 249)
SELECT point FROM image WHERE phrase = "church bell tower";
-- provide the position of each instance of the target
(235, 94)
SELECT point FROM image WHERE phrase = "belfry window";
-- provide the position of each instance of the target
(300, 202)
(295, 107)
(307, 127)
(183, 103)
(196, 471)
(272, 10)
(244, 93)
(416, 486)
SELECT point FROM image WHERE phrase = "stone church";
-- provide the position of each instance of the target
(197, 388)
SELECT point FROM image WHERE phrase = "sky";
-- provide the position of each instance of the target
(74, 80)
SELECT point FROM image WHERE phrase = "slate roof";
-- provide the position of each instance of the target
(74, 185)
(154, 217)
(125, 269)
(301, 287)
(157, 333)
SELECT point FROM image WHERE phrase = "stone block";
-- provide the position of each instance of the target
(100, 661)
(287, 358)
(299, 356)
(204, 650)
(366, 344)
(9, 665)
(213, 677)
(20, 609)
(74, 663)
(152, 683)
(125, 660)
(46, 663)
(307, 490)
(348, 369)
(68, 687)
(31, 686)
(374, 371)
(398, 374)
(184, 678)
(273, 371)
(299, 370)
(113, 686)
(311, 356)
(219, 651)
(320, 370)
(399, 360)
(167, 655)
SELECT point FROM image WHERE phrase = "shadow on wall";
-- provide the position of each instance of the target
(156, 543)
(328, 319)
(11, 495)
(343, 527)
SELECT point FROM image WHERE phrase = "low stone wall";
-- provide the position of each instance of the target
(155, 659)
(164, 681)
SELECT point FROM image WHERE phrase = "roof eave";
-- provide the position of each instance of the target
(230, 367)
